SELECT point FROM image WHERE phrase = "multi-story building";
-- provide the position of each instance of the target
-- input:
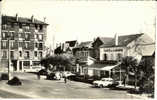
(136, 45)
(22, 42)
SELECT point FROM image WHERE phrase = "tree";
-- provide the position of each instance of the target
(61, 62)
(130, 65)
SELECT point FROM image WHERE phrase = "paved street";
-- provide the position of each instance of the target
(33, 88)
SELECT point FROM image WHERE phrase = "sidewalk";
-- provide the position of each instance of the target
(129, 87)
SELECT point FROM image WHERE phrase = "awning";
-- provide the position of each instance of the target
(108, 68)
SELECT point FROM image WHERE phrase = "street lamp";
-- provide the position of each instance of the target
(9, 74)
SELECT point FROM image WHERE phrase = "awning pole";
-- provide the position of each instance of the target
(120, 76)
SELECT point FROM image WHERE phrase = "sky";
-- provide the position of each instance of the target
(85, 20)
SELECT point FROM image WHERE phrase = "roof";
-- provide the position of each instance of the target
(87, 44)
(21, 20)
(147, 49)
(71, 43)
(122, 40)
(103, 66)
(105, 39)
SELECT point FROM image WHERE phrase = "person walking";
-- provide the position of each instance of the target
(38, 75)
(65, 79)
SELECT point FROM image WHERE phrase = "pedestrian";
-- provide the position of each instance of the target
(65, 79)
(38, 75)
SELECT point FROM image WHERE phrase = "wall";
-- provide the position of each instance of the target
(111, 52)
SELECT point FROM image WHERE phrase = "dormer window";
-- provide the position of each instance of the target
(20, 25)
(36, 26)
(41, 27)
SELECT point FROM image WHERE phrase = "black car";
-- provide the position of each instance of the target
(42, 72)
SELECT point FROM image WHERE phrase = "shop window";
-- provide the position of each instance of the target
(26, 63)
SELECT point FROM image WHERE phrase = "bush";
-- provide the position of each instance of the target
(15, 81)
(4, 76)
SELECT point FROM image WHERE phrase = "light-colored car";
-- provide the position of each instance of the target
(103, 82)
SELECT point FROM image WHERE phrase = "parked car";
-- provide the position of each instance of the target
(42, 72)
(104, 82)
(54, 76)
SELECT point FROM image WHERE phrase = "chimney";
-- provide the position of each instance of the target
(45, 19)
(32, 18)
(116, 39)
(17, 18)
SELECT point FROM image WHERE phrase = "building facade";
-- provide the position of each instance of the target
(136, 45)
(23, 43)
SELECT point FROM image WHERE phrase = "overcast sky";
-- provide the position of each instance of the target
(84, 20)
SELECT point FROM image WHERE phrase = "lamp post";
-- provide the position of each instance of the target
(9, 74)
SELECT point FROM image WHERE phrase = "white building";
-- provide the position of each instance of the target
(136, 45)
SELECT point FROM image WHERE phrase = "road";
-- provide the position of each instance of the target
(34, 88)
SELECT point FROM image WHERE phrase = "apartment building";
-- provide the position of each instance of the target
(22, 42)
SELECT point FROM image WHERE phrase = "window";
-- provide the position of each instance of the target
(40, 46)
(40, 37)
(26, 36)
(105, 57)
(3, 35)
(35, 36)
(36, 45)
(112, 57)
(4, 44)
(11, 44)
(12, 35)
(26, 63)
(20, 25)
(36, 26)
(27, 54)
(4, 54)
(20, 35)
(41, 27)
(119, 56)
(12, 54)
(41, 54)
(20, 53)
(4, 27)
(26, 44)
(12, 25)
(35, 53)
(20, 44)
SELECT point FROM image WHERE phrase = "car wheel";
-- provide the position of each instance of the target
(101, 86)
